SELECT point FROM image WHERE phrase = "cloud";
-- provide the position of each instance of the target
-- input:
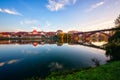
(8, 11)
(28, 22)
(55, 5)
(74, 1)
(96, 5)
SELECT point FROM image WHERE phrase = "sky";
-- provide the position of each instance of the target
(53, 15)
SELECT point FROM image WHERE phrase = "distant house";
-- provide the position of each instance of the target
(5, 34)
(18, 34)
(33, 34)
(50, 34)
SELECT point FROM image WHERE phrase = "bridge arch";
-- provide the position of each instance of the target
(86, 36)
(101, 36)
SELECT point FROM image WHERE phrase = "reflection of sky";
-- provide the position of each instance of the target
(13, 61)
(47, 51)
(9, 62)
(2, 64)
(24, 60)
(55, 65)
(30, 52)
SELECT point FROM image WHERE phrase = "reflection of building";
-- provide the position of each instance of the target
(35, 44)
(59, 44)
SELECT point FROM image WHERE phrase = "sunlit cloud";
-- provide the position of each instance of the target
(96, 5)
(8, 11)
(55, 5)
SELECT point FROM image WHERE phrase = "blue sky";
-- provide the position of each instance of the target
(51, 15)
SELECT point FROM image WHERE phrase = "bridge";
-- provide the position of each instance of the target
(96, 35)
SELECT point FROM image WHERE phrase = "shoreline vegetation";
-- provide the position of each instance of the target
(109, 71)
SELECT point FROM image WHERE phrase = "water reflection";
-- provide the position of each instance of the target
(96, 61)
(2, 64)
(13, 61)
(36, 43)
(30, 52)
(9, 62)
(23, 61)
(55, 66)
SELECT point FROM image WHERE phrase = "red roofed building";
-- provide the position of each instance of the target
(50, 34)
(35, 32)
(5, 34)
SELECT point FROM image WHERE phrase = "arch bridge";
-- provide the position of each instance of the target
(96, 35)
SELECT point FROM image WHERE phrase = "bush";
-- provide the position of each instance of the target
(113, 46)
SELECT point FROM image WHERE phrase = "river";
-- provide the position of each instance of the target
(20, 61)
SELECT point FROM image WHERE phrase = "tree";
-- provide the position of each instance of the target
(113, 46)
(117, 22)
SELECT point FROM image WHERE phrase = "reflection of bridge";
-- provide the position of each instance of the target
(36, 43)
(97, 35)
(91, 45)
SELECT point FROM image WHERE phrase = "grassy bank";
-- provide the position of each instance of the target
(110, 71)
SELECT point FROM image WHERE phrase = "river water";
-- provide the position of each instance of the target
(20, 61)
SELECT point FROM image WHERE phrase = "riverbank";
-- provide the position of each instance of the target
(109, 71)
